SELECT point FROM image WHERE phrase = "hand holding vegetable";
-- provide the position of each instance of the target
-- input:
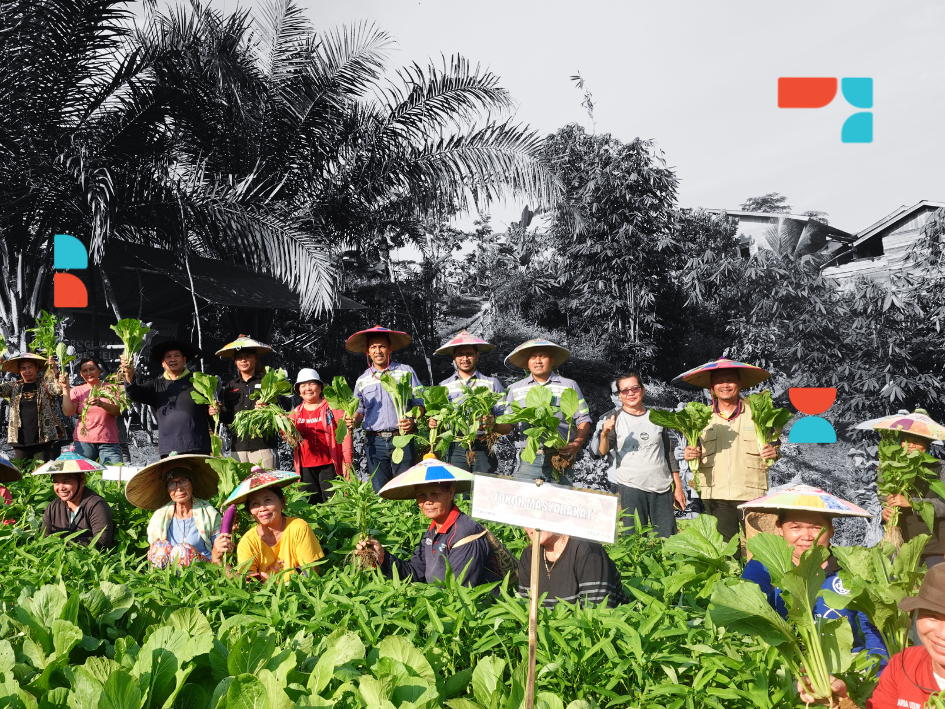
(406, 425)
(837, 686)
(375, 546)
(222, 545)
(692, 452)
(769, 452)
(127, 368)
(64, 383)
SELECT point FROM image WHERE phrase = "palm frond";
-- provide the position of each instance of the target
(282, 31)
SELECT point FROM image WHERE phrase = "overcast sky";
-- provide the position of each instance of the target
(700, 78)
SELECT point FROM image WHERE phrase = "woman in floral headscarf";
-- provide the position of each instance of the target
(184, 527)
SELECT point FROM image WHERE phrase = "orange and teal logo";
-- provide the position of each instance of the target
(812, 428)
(69, 254)
(817, 92)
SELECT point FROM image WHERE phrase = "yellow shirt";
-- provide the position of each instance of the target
(731, 467)
(296, 547)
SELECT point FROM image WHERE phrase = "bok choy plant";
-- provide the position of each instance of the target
(339, 396)
(132, 333)
(813, 648)
(909, 474)
(542, 418)
(271, 420)
(205, 392)
(690, 422)
(436, 439)
(472, 411)
(400, 390)
(768, 421)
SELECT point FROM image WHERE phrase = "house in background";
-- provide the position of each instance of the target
(775, 232)
(881, 247)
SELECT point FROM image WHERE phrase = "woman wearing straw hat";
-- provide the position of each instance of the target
(803, 516)
(76, 508)
(33, 427)
(465, 349)
(184, 527)
(541, 359)
(376, 409)
(183, 424)
(452, 537)
(731, 469)
(277, 543)
(319, 458)
(235, 397)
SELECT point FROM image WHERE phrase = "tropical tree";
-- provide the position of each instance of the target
(773, 202)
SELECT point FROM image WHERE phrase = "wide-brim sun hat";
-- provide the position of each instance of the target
(243, 342)
(12, 365)
(804, 498)
(147, 489)
(404, 486)
(519, 356)
(259, 480)
(918, 423)
(931, 595)
(9, 473)
(67, 463)
(157, 351)
(464, 339)
(357, 343)
(307, 375)
(701, 376)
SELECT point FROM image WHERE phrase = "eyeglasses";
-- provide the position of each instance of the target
(630, 390)
(175, 484)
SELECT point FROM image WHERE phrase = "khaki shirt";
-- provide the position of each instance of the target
(731, 467)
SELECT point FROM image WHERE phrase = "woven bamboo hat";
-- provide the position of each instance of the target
(244, 343)
(519, 356)
(12, 365)
(701, 376)
(148, 488)
(357, 343)
(464, 339)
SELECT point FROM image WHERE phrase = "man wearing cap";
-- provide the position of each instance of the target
(732, 468)
(183, 424)
(376, 411)
(465, 350)
(235, 397)
(541, 358)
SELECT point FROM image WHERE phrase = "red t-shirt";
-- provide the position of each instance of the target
(906, 683)
(314, 429)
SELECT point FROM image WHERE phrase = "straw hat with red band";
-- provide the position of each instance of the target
(12, 365)
(931, 593)
(244, 343)
(464, 339)
(701, 376)
(357, 343)
(519, 356)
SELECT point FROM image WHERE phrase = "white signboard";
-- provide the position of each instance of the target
(555, 509)
(120, 473)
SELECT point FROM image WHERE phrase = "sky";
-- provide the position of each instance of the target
(700, 79)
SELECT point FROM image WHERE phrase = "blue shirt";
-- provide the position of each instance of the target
(458, 387)
(375, 404)
(556, 384)
(184, 530)
(865, 634)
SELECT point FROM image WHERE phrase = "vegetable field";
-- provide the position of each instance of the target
(81, 628)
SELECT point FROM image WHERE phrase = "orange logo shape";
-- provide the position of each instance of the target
(69, 291)
(806, 92)
(812, 400)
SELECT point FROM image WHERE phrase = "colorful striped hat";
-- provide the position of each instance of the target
(701, 376)
(918, 423)
(357, 343)
(259, 480)
(807, 498)
(8, 472)
(404, 486)
(68, 462)
(464, 339)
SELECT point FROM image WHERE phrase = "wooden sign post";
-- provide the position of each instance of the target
(552, 508)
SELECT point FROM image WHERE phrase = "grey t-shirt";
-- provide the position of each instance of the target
(643, 451)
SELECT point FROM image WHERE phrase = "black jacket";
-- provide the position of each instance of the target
(93, 516)
(234, 397)
(183, 424)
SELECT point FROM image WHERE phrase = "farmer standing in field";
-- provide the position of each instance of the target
(376, 408)
(541, 359)
(646, 471)
(235, 397)
(183, 424)
(731, 467)
(465, 350)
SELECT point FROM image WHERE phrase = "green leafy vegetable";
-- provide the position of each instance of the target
(813, 649)
(876, 583)
(909, 474)
(437, 406)
(543, 419)
(690, 422)
(45, 337)
(111, 391)
(768, 421)
(400, 391)
(132, 333)
(471, 411)
(271, 420)
(3, 346)
(340, 397)
(205, 391)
